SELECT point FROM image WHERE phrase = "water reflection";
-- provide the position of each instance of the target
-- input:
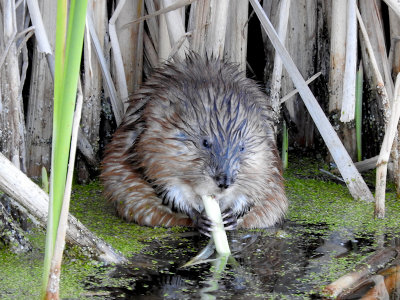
(293, 261)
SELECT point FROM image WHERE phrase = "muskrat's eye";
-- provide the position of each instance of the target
(206, 144)
(241, 147)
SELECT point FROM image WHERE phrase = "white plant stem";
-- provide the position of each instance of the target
(218, 233)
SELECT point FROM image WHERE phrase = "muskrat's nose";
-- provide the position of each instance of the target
(223, 180)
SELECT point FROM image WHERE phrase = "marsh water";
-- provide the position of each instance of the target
(290, 262)
(326, 234)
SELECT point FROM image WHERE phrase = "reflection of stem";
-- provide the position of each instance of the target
(211, 285)
(202, 256)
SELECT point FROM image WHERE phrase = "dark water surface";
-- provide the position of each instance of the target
(290, 262)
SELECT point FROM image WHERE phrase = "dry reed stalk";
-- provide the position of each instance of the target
(120, 76)
(152, 23)
(12, 125)
(381, 171)
(366, 164)
(176, 31)
(150, 52)
(394, 5)
(216, 30)
(40, 31)
(43, 41)
(34, 200)
(379, 289)
(236, 34)
(164, 44)
(394, 53)
(378, 79)
(284, 9)
(350, 70)
(88, 142)
(353, 179)
(371, 15)
(295, 91)
(385, 98)
(92, 92)
(301, 43)
(338, 54)
(372, 264)
(337, 100)
(394, 61)
(391, 278)
(198, 22)
(374, 28)
(131, 43)
(176, 5)
(40, 105)
(117, 105)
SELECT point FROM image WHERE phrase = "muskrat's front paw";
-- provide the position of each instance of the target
(229, 219)
(204, 224)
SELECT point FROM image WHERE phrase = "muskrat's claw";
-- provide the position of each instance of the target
(229, 219)
(202, 222)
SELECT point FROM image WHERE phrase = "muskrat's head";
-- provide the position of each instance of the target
(207, 129)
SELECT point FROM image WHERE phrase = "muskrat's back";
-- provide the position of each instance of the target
(196, 127)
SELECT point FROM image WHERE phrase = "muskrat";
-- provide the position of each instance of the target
(196, 127)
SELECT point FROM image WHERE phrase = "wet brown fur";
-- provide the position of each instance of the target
(190, 122)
